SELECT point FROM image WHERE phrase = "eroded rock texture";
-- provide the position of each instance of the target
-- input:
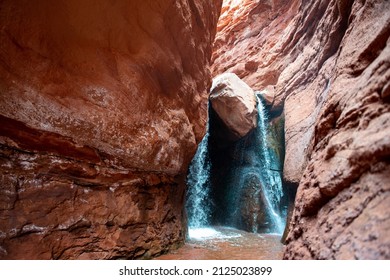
(102, 105)
(328, 62)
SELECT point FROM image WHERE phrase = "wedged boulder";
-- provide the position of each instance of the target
(235, 103)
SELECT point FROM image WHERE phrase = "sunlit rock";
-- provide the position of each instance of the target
(235, 103)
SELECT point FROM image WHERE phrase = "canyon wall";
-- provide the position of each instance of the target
(102, 106)
(326, 65)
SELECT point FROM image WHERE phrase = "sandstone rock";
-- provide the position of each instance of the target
(252, 40)
(347, 136)
(329, 63)
(102, 104)
(235, 103)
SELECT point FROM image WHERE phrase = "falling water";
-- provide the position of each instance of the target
(198, 201)
(272, 184)
(250, 198)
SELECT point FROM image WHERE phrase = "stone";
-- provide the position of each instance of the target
(252, 40)
(343, 177)
(235, 103)
(102, 106)
(253, 215)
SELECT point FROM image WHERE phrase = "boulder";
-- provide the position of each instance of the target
(235, 103)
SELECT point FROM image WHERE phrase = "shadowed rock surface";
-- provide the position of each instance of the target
(102, 106)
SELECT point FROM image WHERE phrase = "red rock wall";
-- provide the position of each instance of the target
(328, 63)
(102, 105)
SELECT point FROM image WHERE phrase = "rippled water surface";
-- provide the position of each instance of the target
(227, 244)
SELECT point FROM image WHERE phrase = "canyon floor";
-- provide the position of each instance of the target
(223, 243)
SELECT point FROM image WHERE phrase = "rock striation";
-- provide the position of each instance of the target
(102, 106)
(235, 103)
(328, 62)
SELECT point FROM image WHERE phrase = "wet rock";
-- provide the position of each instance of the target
(253, 213)
(276, 143)
(235, 103)
(102, 107)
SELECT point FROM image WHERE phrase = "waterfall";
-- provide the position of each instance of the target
(247, 187)
(198, 202)
(250, 193)
(272, 183)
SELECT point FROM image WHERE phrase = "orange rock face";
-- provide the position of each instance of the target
(328, 62)
(102, 105)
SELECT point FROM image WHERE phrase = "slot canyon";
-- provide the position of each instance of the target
(128, 126)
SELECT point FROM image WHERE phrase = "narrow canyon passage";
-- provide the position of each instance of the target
(205, 129)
